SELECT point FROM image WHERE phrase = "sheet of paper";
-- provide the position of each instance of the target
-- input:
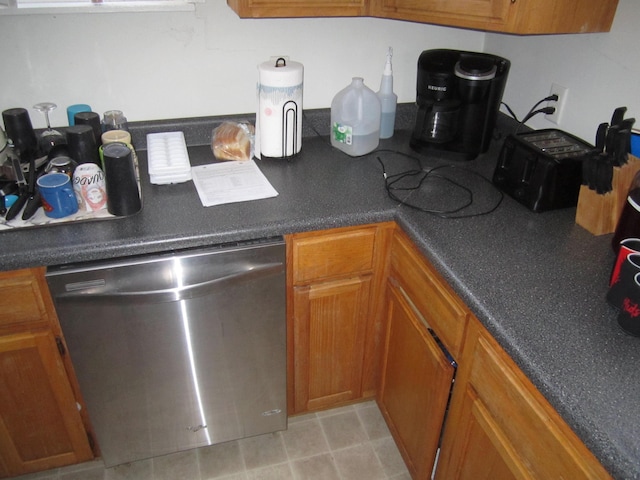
(230, 182)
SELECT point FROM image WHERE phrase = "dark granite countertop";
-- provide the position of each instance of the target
(536, 281)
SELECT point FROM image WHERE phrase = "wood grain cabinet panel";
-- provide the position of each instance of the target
(333, 254)
(298, 8)
(433, 297)
(416, 381)
(509, 16)
(21, 301)
(501, 427)
(334, 297)
(329, 342)
(40, 425)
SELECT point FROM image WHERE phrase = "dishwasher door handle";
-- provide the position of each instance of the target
(87, 290)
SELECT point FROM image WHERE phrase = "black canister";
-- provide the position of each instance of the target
(123, 195)
(93, 120)
(17, 124)
(81, 143)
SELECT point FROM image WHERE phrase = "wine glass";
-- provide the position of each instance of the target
(49, 138)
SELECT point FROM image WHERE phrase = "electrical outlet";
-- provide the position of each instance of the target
(562, 93)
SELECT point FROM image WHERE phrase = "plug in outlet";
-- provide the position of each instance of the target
(561, 92)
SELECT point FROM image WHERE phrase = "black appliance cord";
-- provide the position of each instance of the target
(423, 174)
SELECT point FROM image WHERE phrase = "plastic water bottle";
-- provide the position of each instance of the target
(388, 99)
(355, 119)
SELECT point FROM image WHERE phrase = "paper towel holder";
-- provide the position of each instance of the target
(278, 119)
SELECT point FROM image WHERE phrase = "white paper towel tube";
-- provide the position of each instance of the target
(279, 116)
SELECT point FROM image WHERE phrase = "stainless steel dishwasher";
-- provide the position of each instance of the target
(177, 350)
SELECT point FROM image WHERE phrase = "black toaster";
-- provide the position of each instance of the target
(542, 169)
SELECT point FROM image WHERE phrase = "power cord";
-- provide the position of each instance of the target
(533, 111)
(392, 183)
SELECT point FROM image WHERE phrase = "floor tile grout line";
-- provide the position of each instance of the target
(317, 417)
(326, 439)
(369, 439)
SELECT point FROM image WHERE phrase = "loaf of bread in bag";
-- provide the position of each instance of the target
(232, 141)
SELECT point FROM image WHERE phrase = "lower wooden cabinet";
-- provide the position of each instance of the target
(331, 322)
(335, 285)
(416, 381)
(499, 426)
(40, 424)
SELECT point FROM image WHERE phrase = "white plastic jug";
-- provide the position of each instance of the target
(355, 119)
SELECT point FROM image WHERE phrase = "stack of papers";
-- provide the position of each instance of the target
(230, 182)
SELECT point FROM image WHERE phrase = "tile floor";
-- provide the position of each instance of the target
(348, 443)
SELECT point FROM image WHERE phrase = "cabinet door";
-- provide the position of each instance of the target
(23, 303)
(298, 8)
(501, 427)
(432, 296)
(514, 16)
(488, 13)
(329, 335)
(40, 426)
(416, 382)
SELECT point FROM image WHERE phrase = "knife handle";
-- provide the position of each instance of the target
(618, 115)
(601, 136)
(17, 206)
(33, 204)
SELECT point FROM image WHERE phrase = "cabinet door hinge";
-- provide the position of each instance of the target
(60, 345)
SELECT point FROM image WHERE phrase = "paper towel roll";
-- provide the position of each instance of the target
(279, 116)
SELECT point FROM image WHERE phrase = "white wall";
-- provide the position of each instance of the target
(602, 72)
(172, 65)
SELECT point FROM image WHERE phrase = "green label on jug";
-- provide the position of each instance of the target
(342, 133)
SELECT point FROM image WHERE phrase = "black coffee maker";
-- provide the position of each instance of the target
(458, 97)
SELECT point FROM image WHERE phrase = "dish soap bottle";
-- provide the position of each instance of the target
(355, 119)
(388, 99)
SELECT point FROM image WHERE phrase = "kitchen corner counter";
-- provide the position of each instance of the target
(537, 281)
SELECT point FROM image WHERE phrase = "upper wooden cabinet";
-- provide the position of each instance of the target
(298, 8)
(509, 16)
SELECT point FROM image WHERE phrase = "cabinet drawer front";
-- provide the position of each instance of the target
(433, 298)
(21, 300)
(543, 445)
(329, 255)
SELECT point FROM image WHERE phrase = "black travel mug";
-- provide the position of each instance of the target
(81, 144)
(17, 124)
(93, 120)
(123, 196)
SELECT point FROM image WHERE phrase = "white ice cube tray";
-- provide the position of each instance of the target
(168, 158)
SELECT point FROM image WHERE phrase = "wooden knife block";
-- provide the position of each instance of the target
(599, 213)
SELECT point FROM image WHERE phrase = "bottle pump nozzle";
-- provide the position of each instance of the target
(388, 99)
(387, 66)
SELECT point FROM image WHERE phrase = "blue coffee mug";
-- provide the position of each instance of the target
(58, 198)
